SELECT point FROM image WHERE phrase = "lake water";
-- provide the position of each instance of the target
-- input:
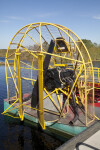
(18, 136)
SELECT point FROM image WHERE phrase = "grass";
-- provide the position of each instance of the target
(3, 52)
(94, 53)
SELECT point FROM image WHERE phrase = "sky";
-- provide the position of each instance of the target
(81, 16)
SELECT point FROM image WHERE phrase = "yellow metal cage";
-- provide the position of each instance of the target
(24, 63)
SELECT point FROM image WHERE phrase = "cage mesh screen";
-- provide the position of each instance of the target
(35, 38)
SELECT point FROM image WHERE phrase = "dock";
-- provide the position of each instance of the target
(86, 140)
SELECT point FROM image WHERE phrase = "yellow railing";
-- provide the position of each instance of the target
(80, 65)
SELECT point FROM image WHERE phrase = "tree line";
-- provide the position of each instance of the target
(93, 48)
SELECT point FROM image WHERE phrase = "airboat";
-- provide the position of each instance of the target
(50, 79)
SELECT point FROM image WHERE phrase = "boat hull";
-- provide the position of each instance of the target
(62, 130)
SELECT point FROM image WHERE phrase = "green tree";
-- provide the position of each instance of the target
(88, 43)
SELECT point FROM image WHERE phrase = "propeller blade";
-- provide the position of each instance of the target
(35, 92)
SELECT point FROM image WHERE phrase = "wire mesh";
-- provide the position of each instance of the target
(27, 44)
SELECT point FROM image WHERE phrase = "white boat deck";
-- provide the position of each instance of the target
(89, 139)
(92, 143)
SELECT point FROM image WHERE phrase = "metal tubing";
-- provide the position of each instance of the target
(40, 78)
(21, 112)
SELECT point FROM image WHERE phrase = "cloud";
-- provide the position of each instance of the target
(14, 18)
(96, 17)
(10, 18)
(4, 21)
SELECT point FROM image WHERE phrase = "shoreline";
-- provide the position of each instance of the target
(3, 63)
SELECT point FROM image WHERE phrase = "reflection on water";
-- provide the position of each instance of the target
(2, 59)
(21, 137)
(15, 135)
(96, 64)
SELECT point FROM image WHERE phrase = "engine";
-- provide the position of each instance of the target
(56, 77)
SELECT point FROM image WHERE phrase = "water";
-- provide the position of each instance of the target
(2, 59)
(15, 135)
(96, 64)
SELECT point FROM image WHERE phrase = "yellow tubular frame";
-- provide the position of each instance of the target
(41, 107)
(39, 55)
(21, 112)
